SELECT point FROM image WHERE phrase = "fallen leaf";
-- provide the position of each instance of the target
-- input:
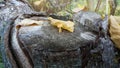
(115, 30)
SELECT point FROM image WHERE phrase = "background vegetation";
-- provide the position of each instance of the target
(117, 12)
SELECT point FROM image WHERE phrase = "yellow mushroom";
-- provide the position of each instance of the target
(67, 25)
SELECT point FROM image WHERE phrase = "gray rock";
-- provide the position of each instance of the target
(47, 37)
(8, 12)
(90, 21)
(45, 44)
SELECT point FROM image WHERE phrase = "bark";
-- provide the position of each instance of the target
(113, 5)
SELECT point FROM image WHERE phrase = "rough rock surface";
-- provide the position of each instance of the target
(46, 44)
(9, 10)
(89, 46)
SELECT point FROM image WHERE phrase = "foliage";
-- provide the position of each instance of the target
(66, 7)
(117, 12)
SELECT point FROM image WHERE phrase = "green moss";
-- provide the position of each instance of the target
(1, 65)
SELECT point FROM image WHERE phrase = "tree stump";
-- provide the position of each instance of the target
(42, 46)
